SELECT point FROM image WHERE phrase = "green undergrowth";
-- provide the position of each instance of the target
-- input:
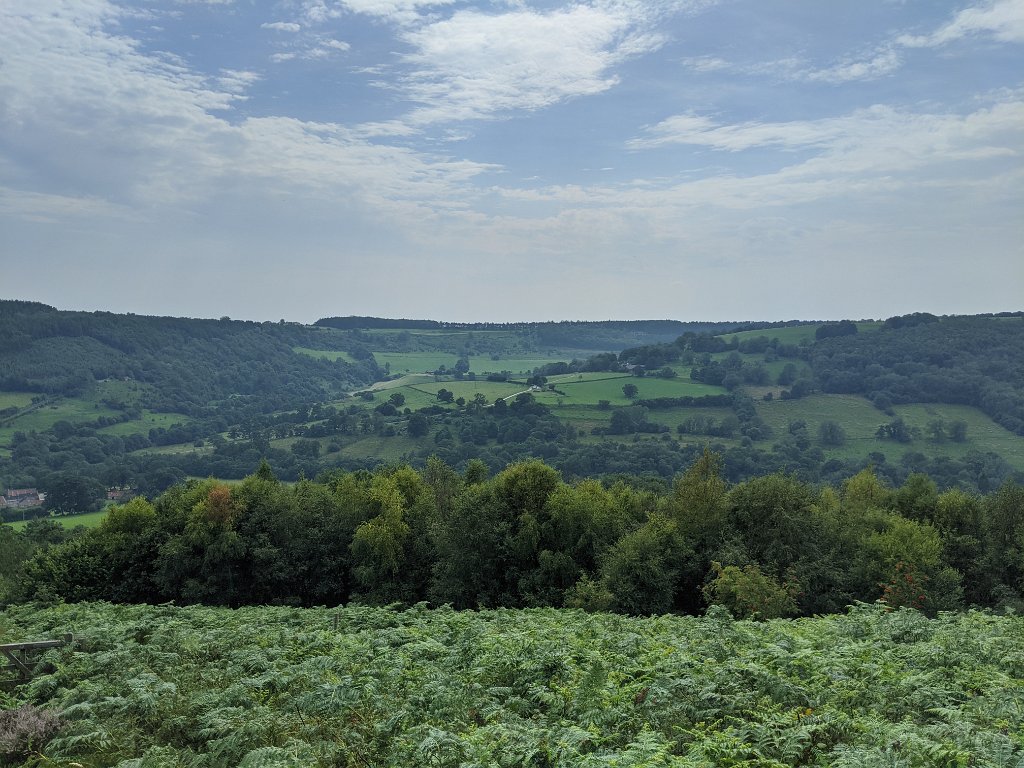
(196, 686)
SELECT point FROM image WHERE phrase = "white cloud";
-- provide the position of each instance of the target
(703, 131)
(236, 81)
(867, 66)
(1002, 19)
(879, 148)
(706, 64)
(120, 156)
(319, 48)
(877, 64)
(401, 9)
(153, 138)
(282, 26)
(475, 65)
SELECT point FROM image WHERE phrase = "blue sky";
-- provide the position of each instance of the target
(690, 159)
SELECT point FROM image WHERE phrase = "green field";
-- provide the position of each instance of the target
(789, 334)
(15, 400)
(179, 448)
(76, 410)
(796, 334)
(72, 409)
(173, 686)
(326, 354)
(150, 420)
(117, 390)
(609, 387)
(419, 362)
(88, 520)
(423, 392)
(382, 448)
(519, 365)
(860, 419)
(774, 368)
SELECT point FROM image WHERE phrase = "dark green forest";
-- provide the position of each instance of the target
(194, 367)
(767, 547)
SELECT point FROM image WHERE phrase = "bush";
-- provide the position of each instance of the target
(749, 594)
(25, 731)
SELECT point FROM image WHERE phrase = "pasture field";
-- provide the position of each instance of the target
(15, 400)
(117, 390)
(609, 387)
(88, 520)
(326, 354)
(402, 381)
(427, 361)
(150, 420)
(583, 417)
(459, 335)
(673, 417)
(774, 368)
(424, 393)
(789, 334)
(518, 365)
(176, 449)
(71, 409)
(272, 686)
(797, 334)
(860, 419)
(417, 362)
(383, 448)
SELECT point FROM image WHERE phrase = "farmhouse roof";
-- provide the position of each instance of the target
(20, 493)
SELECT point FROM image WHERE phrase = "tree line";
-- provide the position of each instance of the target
(769, 546)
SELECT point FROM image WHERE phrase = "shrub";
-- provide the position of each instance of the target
(25, 731)
(750, 594)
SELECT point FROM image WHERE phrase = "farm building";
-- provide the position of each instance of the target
(23, 498)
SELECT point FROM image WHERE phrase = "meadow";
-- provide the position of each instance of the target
(15, 400)
(574, 391)
(86, 520)
(70, 409)
(859, 419)
(797, 334)
(326, 354)
(171, 686)
(149, 420)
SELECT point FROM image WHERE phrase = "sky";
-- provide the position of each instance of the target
(513, 160)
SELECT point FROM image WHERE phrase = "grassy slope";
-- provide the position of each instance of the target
(86, 408)
(860, 419)
(72, 409)
(326, 354)
(15, 400)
